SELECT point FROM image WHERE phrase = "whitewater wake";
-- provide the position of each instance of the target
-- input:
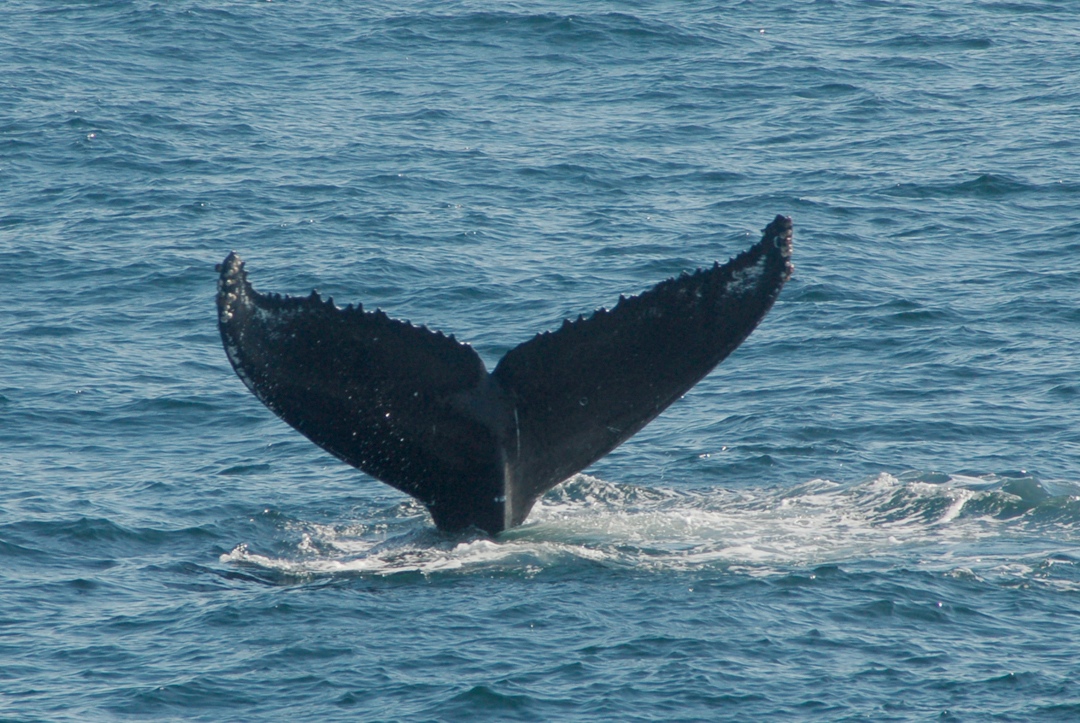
(954, 524)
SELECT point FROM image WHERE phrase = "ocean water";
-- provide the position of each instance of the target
(871, 511)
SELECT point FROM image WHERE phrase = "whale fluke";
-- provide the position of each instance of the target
(419, 411)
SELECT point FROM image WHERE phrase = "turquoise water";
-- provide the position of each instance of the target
(871, 511)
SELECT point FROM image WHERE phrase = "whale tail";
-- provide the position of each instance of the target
(419, 411)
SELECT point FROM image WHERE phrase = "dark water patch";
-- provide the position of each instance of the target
(643, 250)
(13, 220)
(170, 406)
(1066, 238)
(1018, 680)
(878, 671)
(649, 647)
(297, 653)
(932, 42)
(1064, 509)
(1056, 711)
(580, 32)
(12, 550)
(825, 293)
(244, 469)
(182, 699)
(1065, 391)
(1030, 491)
(1023, 8)
(986, 186)
(424, 114)
(48, 331)
(828, 90)
(102, 535)
(560, 173)
(925, 476)
(485, 699)
(82, 585)
(926, 613)
(95, 656)
(257, 576)
(192, 577)
(912, 313)
(713, 177)
(799, 580)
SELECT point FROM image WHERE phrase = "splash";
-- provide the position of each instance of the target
(953, 524)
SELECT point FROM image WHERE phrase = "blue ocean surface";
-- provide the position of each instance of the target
(870, 511)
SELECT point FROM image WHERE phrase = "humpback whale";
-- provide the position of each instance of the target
(419, 411)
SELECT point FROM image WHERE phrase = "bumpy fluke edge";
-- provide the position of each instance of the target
(417, 409)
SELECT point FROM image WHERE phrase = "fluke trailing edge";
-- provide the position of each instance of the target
(418, 410)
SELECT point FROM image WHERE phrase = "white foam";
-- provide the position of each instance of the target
(761, 532)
